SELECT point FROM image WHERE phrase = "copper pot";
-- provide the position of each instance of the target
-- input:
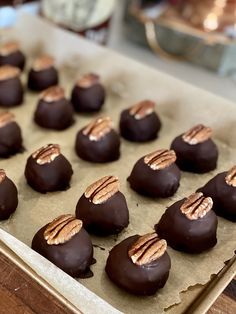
(210, 15)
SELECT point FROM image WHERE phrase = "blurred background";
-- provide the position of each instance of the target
(194, 40)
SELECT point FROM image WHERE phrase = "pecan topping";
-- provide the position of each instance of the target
(88, 80)
(230, 178)
(103, 189)
(197, 134)
(2, 175)
(62, 229)
(98, 128)
(46, 154)
(142, 109)
(6, 118)
(160, 159)
(43, 62)
(196, 206)
(147, 249)
(8, 72)
(52, 94)
(8, 48)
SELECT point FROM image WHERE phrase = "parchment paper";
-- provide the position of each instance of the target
(179, 105)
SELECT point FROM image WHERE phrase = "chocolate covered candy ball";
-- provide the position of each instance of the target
(43, 74)
(195, 150)
(156, 174)
(10, 135)
(47, 170)
(54, 111)
(88, 95)
(139, 264)
(11, 89)
(98, 141)
(8, 196)
(222, 189)
(189, 225)
(103, 208)
(65, 243)
(11, 54)
(140, 123)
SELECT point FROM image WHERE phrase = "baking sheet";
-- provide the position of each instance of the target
(179, 105)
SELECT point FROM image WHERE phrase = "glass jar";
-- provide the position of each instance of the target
(87, 17)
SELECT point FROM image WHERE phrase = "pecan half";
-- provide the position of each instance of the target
(52, 94)
(142, 109)
(160, 159)
(46, 154)
(196, 206)
(197, 134)
(98, 128)
(2, 175)
(230, 178)
(8, 48)
(43, 62)
(8, 72)
(6, 118)
(88, 80)
(103, 189)
(62, 229)
(147, 249)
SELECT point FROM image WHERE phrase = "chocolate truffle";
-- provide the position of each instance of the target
(10, 135)
(189, 225)
(54, 111)
(10, 54)
(11, 89)
(48, 170)
(139, 264)
(140, 123)
(88, 95)
(195, 150)
(98, 141)
(103, 208)
(222, 189)
(65, 243)
(8, 196)
(156, 174)
(43, 74)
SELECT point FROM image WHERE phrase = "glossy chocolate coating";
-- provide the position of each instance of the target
(107, 218)
(154, 183)
(10, 140)
(8, 198)
(57, 115)
(141, 130)
(104, 150)
(199, 158)
(183, 234)
(223, 195)
(40, 80)
(74, 256)
(11, 92)
(15, 58)
(88, 99)
(53, 176)
(139, 280)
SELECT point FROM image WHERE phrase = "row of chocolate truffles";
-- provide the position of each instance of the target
(139, 123)
(99, 142)
(155, 175)
(189, 225)
(88, 94)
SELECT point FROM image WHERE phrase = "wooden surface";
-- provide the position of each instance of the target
(226, 303)
(19, 294)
